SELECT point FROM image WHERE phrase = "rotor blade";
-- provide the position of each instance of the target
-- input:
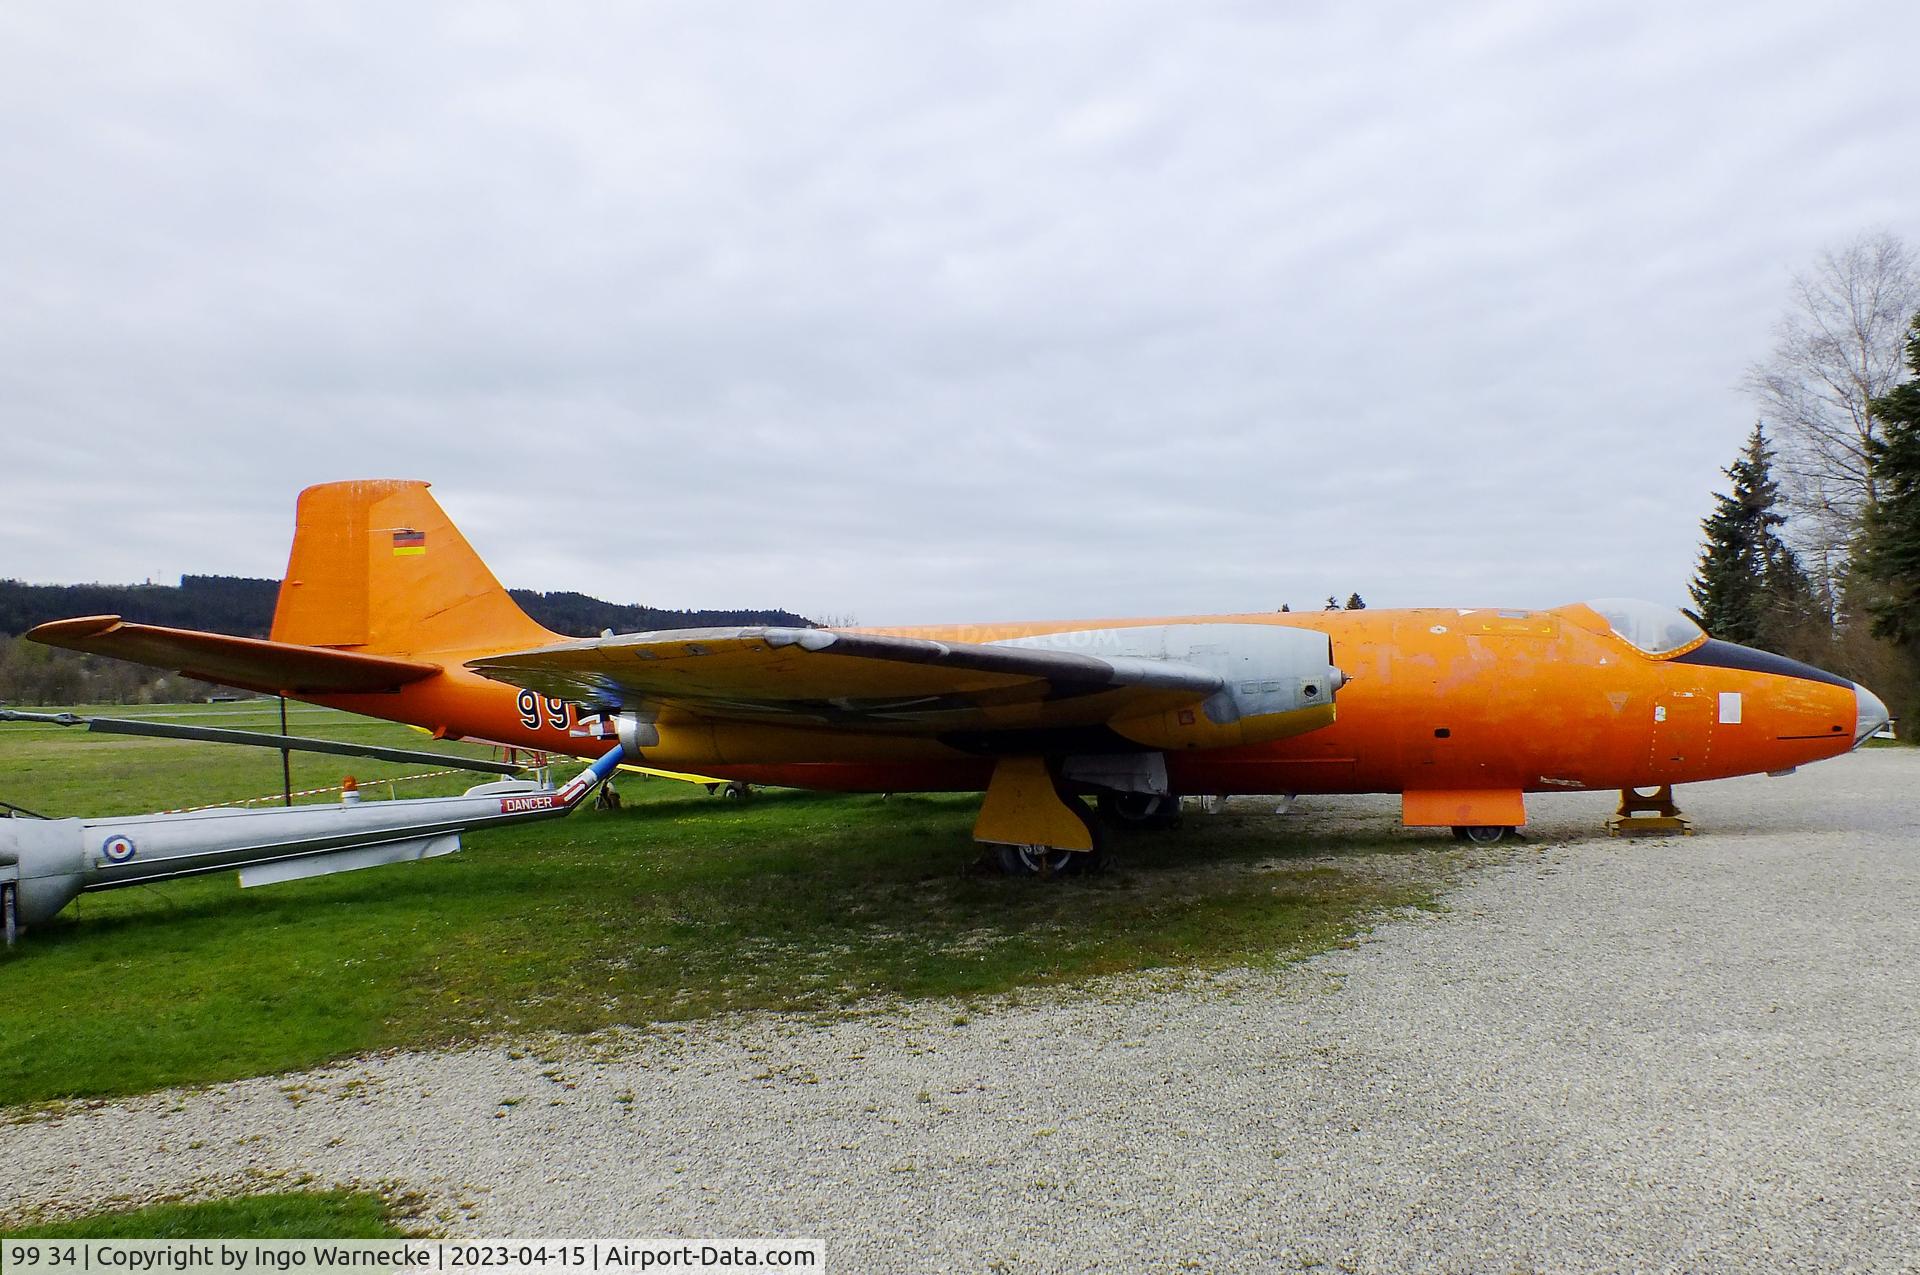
(260, 739)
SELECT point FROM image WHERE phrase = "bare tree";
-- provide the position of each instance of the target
(1840, 345)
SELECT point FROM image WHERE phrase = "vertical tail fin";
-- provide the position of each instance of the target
(377, 565)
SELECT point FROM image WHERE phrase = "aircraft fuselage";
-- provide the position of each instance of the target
(1435, 700)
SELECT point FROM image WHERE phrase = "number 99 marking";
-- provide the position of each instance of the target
(559, 713)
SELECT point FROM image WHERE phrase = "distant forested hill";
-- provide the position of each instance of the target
(236, 604)
(221, 604)
(578, 615)
(34, 674)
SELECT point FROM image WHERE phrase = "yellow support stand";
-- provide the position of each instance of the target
(1025, 807)
(1650, 813)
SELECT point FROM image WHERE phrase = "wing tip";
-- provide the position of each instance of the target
(55, 632)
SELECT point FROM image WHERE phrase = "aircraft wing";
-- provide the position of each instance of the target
(252, 663)
(857, 681)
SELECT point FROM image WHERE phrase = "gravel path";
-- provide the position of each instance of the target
(1697, 1054)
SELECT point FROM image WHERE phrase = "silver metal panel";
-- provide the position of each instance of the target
(320, 865)
(1257, 668)
(1120, 772)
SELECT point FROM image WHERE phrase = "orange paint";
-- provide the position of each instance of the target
(1462, 710)
(1563, 706)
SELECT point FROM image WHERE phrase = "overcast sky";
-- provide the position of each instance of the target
(920, 312)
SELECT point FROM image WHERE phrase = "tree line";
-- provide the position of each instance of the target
(1813, 549)
(1354, 602)
(31, 673)
(220, 604)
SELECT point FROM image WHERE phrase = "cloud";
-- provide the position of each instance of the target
(923, 312)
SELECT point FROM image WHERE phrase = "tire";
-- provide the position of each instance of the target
(1050, 861)
(735, 791)
(1046, 861)
(1483, 834)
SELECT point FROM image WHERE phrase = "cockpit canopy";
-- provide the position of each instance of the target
(1648, 627)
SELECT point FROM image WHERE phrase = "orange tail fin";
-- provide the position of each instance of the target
(378, 566)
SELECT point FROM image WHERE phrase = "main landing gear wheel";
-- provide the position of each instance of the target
(1046, 861)
(735, 791)
(1483, 834)
(1052, 861)
(1139, 809)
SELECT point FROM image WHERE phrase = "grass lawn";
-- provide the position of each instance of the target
(678, 906)
(62, 771)
(293, 1215)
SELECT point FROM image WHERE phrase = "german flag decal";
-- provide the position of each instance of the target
(408, 543)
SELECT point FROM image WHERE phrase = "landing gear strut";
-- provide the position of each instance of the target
(1031, 860)
(1648, 811)
(1140, 809)
(1035, 825)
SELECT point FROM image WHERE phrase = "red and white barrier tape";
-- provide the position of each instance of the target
(307, 792)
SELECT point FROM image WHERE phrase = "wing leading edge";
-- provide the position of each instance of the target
(861, 681)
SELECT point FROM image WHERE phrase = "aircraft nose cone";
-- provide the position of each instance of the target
(1872, 714)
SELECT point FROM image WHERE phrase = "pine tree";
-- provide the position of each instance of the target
(1750, 588)
(1333, 603)
(1891, 558)
(1355, 602)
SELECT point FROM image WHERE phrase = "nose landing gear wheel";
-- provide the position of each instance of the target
(1483, 834)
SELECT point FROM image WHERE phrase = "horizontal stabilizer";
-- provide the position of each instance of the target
(257, 665)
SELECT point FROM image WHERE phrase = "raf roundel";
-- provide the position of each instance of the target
(117, 849)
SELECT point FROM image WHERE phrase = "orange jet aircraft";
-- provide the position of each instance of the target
(386, 611)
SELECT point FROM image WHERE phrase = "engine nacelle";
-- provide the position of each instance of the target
(45, 861)
(1280, 681)
(637, 732)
